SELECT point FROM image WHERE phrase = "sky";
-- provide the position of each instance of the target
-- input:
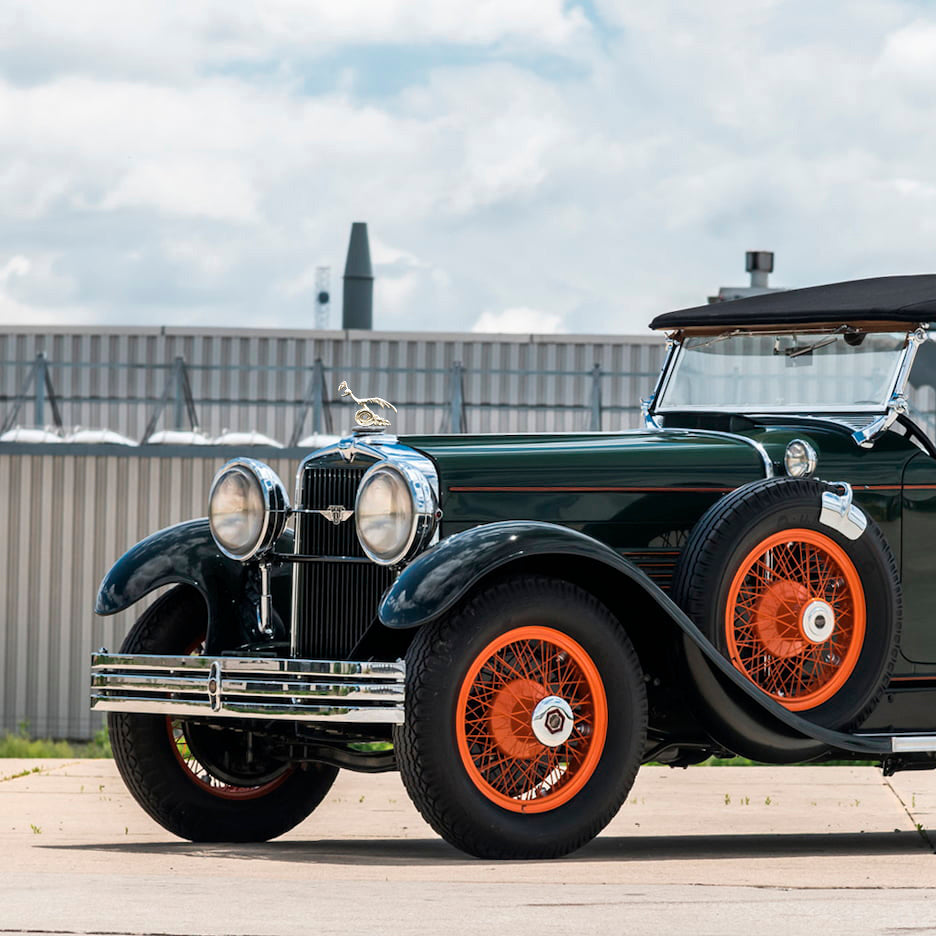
(523, 165)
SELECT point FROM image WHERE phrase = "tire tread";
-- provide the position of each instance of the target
(434, 642)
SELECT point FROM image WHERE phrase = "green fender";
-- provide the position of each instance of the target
(186, 554)
(445, 574)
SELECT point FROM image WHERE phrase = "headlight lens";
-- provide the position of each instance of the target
(247, 508)
(385, 514)
(799, 459)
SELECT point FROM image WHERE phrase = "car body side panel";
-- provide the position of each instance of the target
(918, 568)
(443, 575)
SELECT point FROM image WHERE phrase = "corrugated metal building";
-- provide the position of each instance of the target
(251, 379)
(67, 511)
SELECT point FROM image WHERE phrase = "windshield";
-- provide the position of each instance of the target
(768, 372)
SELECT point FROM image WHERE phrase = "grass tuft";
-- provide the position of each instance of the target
(21, 744)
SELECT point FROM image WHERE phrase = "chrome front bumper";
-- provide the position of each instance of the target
(240, 687)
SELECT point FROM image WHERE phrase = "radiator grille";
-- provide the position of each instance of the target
(336, 601)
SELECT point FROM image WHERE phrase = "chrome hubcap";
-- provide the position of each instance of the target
(818, 621)
(552, 721)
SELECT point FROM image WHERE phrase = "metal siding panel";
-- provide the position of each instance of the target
(240, 396)
(8, 556)
(27, 608)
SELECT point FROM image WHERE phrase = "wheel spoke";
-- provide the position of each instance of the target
(499, 695)
(764, 625)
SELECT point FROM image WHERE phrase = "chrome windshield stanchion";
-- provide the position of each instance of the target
(897, 405)
(646, 404)
(650, 421)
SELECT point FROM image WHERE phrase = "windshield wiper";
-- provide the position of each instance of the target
(808, 349)
(797, 350)
(722, 337)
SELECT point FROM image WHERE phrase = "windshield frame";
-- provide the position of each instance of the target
(676, 347)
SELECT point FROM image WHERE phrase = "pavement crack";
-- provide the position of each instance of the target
(924, 834)
(84, 932)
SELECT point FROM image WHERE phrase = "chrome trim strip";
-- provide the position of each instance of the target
(241, 687)
(346, 714)
(778, 410)
(715, 433)
(905, 744)
(225, 687)
(371, 669)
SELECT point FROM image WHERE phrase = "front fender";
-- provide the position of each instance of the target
(442, 576)
(186, 554)
(436, 581)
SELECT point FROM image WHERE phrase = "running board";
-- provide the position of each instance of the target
(905, 743)
(240, 687)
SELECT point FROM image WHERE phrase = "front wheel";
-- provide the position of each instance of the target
(526, 720)
(202, 780)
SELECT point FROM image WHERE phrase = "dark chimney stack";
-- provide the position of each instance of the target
(357, 309)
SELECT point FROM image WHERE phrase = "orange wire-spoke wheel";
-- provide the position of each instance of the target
(795, 617)
(202, 777)
(197, 772)
(501, 749)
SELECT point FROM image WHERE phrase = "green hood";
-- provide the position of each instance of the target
(624, 488)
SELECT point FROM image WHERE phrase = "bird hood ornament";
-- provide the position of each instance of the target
(365, 417)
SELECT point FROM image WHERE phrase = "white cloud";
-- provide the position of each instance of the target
(910, 52)
(520, 319)
(32, 293)
(383, 253)
(177, 42)
(213, 189)
(15, 266)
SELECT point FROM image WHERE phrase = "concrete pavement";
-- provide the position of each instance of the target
(705, 850)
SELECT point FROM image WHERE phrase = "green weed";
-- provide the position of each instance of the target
(21, 744)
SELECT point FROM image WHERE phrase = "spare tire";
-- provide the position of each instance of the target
(809, 616)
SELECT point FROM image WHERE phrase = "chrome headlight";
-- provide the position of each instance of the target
(395, 512)
(247, 508)
(799, 459)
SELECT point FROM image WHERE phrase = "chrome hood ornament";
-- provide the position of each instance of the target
(365, 417)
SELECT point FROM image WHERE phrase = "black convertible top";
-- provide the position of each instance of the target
(881, 299)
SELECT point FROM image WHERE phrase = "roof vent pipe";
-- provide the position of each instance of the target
(759, 263)
(357, 310)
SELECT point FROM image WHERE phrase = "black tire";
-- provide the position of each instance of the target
(230, 804)
(436, 773)
(724, 539)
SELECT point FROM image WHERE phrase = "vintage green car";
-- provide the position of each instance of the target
(517, 622)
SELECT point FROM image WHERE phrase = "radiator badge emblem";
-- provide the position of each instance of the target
(365, 416)
(336, 513)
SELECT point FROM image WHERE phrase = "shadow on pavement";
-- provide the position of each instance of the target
(608, 848)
